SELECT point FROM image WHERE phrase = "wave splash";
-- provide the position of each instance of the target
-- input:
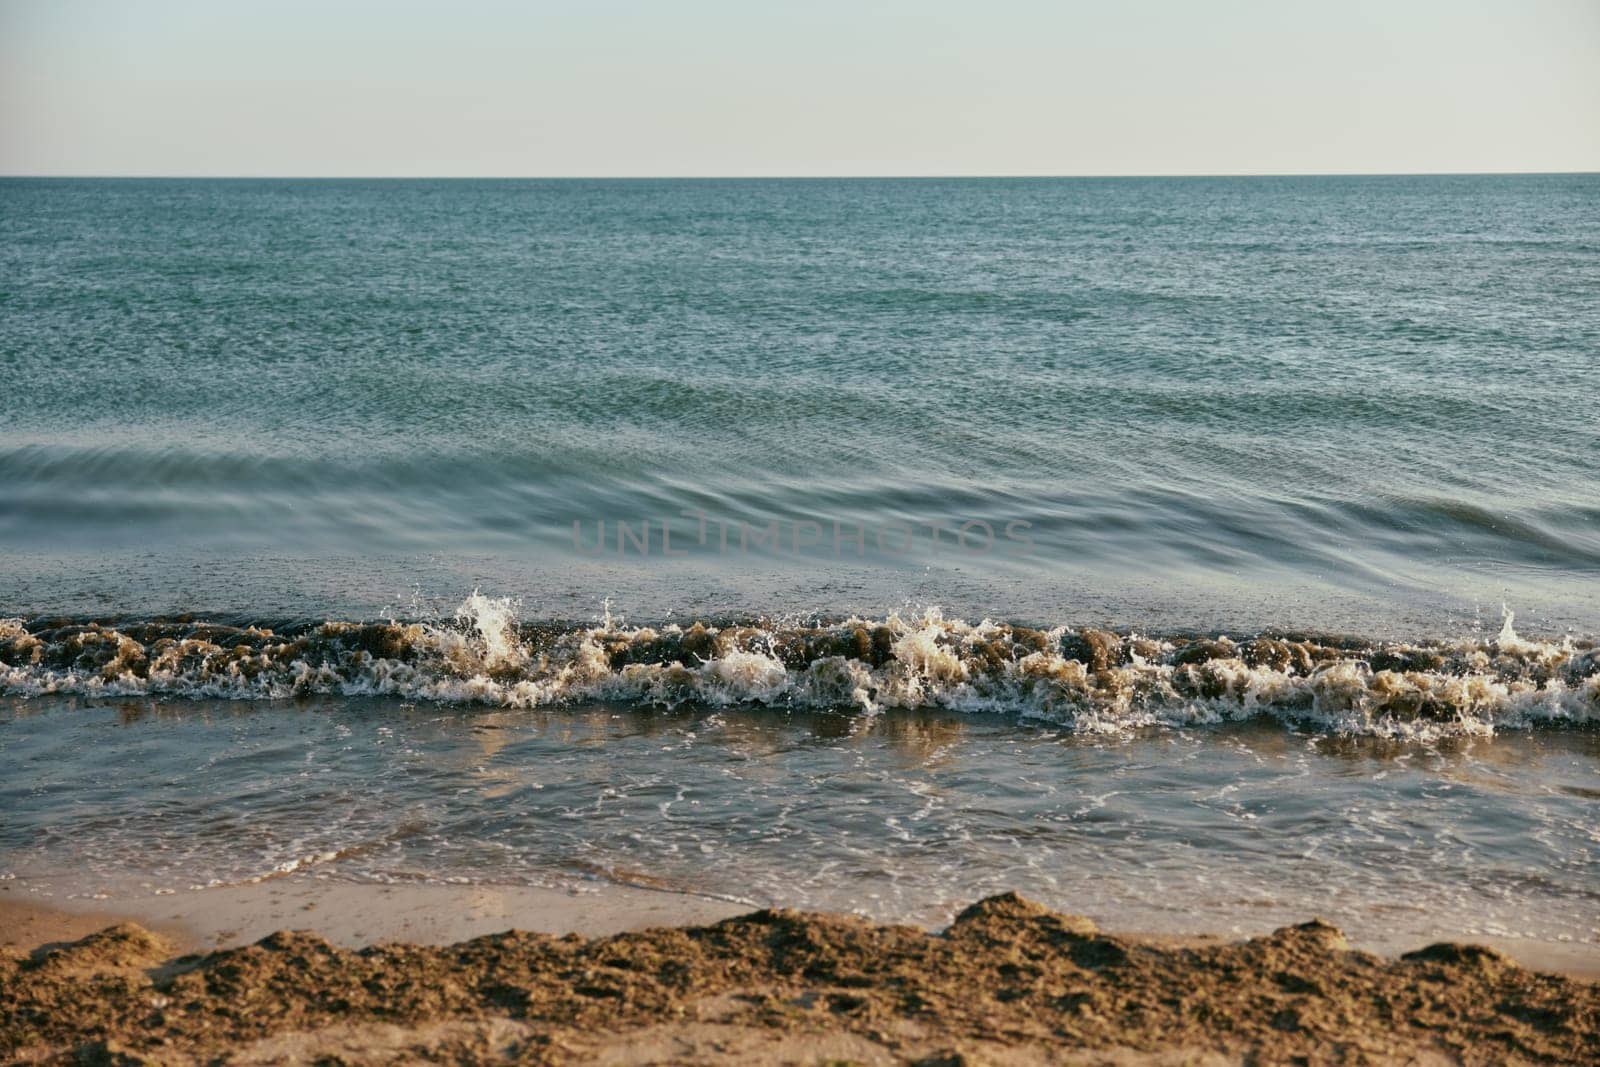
(1087, 680)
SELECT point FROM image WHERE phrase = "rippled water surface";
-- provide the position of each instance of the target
(904, 817)
(1367, 403)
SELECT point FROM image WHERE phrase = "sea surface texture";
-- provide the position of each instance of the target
(1366, 403)
(1171, 549)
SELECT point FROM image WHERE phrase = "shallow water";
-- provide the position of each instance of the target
(903, 816)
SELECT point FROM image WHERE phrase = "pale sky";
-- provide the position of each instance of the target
(822, 87)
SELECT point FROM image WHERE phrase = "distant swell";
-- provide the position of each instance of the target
(1088, 680)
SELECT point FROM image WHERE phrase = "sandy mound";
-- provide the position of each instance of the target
(1009, 982)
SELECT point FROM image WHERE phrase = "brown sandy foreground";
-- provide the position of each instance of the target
(1009, 982)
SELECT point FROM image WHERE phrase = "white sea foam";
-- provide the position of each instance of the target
(1089, 681)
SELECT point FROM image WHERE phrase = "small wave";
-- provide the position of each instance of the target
(1086, 679)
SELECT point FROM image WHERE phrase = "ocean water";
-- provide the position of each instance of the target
(904, 817)
(1169, 549)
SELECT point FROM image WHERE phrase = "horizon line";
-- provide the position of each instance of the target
(796, 177)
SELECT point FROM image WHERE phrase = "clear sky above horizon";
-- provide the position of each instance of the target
(716, 87)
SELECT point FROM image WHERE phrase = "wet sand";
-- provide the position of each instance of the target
(1008, 982)
(356, 915)
(352, 915)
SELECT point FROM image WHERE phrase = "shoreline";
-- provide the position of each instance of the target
(358, 915)
(355, 914)
(1008, 981)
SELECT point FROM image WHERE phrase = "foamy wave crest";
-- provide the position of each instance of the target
(1087, 680)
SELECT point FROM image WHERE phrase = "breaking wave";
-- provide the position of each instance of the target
(1085, 679)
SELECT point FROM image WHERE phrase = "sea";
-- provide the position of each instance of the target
(1196, 554)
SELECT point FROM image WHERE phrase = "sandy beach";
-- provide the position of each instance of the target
(353, 915)
(358, 915)
(379, 974)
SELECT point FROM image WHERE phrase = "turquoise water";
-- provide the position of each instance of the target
(1365, 404)
(1150, 546)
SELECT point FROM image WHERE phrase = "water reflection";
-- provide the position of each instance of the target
(902, 816)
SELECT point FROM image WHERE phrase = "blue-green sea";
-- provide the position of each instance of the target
(1172, 549)
(1362, 403)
